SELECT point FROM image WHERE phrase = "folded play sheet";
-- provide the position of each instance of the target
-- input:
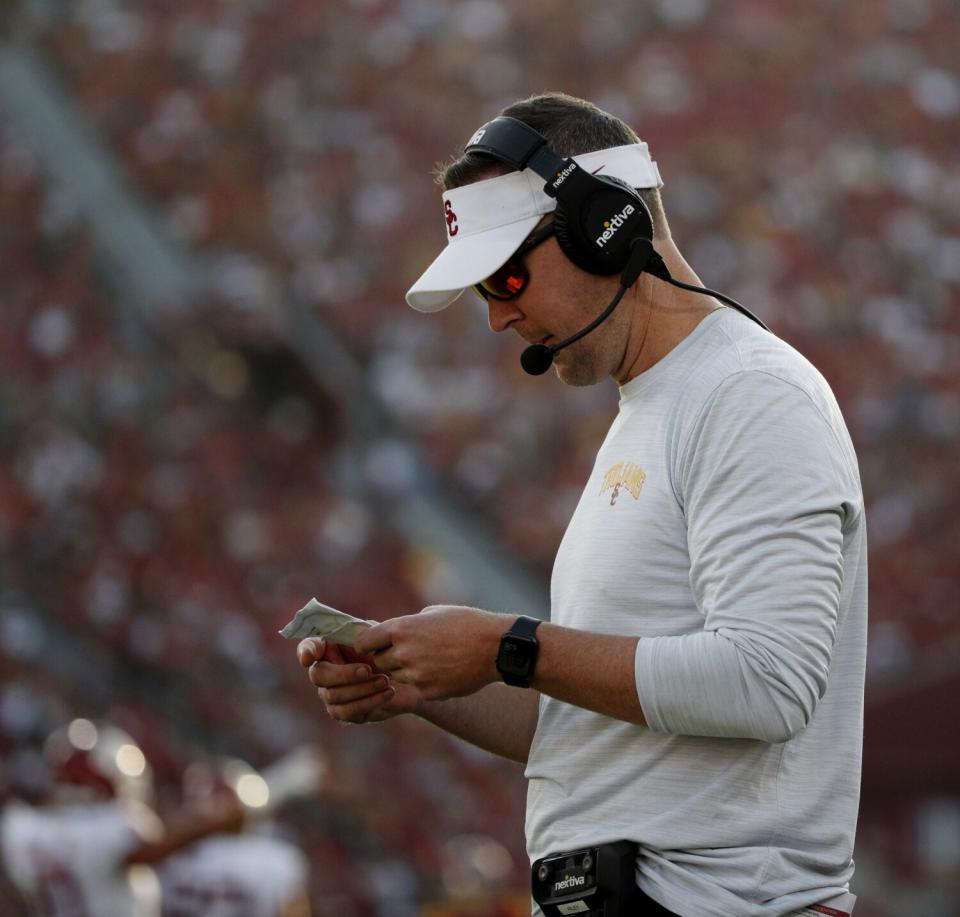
(318, 620)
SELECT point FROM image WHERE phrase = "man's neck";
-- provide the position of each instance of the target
(663, 315)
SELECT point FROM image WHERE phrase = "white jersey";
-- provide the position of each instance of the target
(246, 875)
(68, 861)
(723, 524)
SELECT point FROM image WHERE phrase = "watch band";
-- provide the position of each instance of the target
(525, 626)
(518, 653)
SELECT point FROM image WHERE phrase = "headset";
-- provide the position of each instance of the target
(597, 216)
(602, 224)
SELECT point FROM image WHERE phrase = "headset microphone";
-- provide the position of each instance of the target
(537, 358)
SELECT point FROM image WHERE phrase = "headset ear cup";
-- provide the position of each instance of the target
(646, 230)
(570, 247)
(578, 248)
(577, 233)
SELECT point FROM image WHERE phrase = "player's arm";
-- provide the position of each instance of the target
(169, 835)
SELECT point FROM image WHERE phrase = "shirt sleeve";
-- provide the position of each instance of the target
(765, 491)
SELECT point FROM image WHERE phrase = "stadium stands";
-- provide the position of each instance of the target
(168, 491)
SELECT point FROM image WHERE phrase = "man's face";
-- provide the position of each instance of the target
(559, 301)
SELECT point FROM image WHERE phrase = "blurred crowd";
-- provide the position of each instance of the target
(168, 490)
(153, 547)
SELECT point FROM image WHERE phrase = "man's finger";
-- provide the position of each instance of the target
(385, 661)
(349, 694)
(332, 675)
(402, 676)
(374, 638)
(349, 654)
(359, 711)
(309, 651)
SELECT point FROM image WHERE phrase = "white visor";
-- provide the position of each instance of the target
(488, 220)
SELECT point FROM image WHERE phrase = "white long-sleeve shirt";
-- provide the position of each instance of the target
(723, 524)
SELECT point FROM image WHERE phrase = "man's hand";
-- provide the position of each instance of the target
(349, 688)
(445, 651)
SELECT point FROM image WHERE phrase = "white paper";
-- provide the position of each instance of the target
(318, 620)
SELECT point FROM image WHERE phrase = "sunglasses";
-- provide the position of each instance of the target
(512, 278)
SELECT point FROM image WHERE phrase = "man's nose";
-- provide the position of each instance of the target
(502, 313)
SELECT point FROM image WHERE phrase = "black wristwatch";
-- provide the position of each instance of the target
(518, 652)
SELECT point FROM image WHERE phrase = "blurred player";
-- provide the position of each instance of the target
(87, 850)
(253, 874)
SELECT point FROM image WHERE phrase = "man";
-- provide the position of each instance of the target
(88, 851)
(698, 690)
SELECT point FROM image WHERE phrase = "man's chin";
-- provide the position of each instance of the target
(573, 372)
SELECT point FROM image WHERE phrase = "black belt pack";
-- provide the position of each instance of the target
(592, 882)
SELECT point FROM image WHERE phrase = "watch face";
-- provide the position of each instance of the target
(515, 655)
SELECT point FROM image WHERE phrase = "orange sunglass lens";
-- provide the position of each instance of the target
(515, 283)
(506, 282)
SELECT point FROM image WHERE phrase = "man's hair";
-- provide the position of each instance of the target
(571, 126)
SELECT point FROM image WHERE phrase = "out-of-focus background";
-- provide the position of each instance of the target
(214, 403)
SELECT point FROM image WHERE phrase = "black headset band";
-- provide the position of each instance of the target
(520, 146)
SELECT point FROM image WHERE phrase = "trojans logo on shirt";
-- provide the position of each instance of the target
(624, 475)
